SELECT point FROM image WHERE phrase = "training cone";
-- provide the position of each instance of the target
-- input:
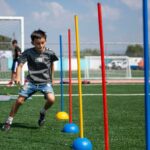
(82, 144)
(62, 116)
(70, 128)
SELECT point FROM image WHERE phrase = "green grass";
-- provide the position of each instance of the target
(126, 120)
(138, 73)
(109, 73)
(92, 74)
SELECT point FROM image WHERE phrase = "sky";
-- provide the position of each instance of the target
(122, 19)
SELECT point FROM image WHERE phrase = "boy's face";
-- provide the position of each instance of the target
(14, 45)
(39, 44)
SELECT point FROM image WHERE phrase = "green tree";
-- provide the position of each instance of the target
(134, 51)
(5, 43)
(88, 52)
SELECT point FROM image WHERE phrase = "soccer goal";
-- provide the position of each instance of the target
(10, 28)
(117, 67)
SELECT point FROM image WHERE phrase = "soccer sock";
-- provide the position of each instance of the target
(9, 120)
(43, 111)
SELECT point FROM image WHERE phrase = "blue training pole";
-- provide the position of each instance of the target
(61, 74)
(146, 72)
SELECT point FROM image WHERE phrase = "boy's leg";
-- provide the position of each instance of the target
(50, 99)
(16, 106)
(13, 76)
(13, 73)
(12, 113)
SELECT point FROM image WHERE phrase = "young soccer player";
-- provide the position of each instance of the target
(40, 76)
(16, 54)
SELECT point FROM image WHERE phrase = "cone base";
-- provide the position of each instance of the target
(70, 128)
(62, 116)
(82, 144)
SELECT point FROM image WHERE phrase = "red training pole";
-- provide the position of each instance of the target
(105, 109)
(70, 76)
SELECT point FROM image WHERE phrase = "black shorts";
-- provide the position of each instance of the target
(14, 66)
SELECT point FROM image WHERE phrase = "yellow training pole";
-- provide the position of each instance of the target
(79, 76)
(80, 143)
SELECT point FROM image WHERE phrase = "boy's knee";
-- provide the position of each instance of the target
(50, 98)
(20, 100)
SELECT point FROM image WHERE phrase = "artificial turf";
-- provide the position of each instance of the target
(126, 120)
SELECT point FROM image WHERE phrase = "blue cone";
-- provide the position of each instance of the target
(70, 128)
(82, 144)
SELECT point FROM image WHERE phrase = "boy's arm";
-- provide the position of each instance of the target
(18, 74)
(52, 73)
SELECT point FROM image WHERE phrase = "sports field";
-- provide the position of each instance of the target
(126, 120)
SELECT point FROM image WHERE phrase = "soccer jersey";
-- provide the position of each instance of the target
(17, 50)
(39, 65)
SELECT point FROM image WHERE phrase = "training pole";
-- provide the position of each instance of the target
(61, 115)
(70, 76)
(70, 127)
(79, 77)
(105, 109)
(146, 72)
(80, 143)
(61, 75)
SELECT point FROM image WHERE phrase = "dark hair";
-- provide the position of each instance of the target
(38, 34)
(14, 42)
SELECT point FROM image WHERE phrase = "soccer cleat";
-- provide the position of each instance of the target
(6, 127)
(41, 120)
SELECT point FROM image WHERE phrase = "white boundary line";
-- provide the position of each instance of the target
(66, 95)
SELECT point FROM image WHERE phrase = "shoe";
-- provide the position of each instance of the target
(10, 84)
(6, 126)
(41, 120)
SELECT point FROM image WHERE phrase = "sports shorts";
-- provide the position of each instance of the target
(29, 89)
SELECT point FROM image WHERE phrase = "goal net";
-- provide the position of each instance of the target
(117, 67)
(10, 28)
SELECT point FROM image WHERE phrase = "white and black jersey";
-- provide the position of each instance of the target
(39, 65)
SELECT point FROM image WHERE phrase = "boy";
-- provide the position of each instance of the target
(40, 76)
(16, 54)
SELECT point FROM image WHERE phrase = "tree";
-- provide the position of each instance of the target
(5, 43)
(135, 51)
(88, 52)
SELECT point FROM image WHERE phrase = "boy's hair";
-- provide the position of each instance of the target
(14, 41)
(38, 34)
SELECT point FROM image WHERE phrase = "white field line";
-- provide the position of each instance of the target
(66, 95)
(91, 84)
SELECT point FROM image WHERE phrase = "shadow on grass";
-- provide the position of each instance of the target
(60, 143)
(21, 125)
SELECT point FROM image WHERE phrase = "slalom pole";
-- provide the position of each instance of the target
(62, 115)
(80, 143)
(146, 73)
(104, 90)
(70, 76)
(61, 75)
(79, 78)
(70, 127)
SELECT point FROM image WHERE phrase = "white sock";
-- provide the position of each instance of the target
(9, 120)
(43, 111)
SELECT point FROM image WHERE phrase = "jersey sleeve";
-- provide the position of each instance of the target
(54, 57)
(23, 57)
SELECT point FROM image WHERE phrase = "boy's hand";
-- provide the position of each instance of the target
(17, 81)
